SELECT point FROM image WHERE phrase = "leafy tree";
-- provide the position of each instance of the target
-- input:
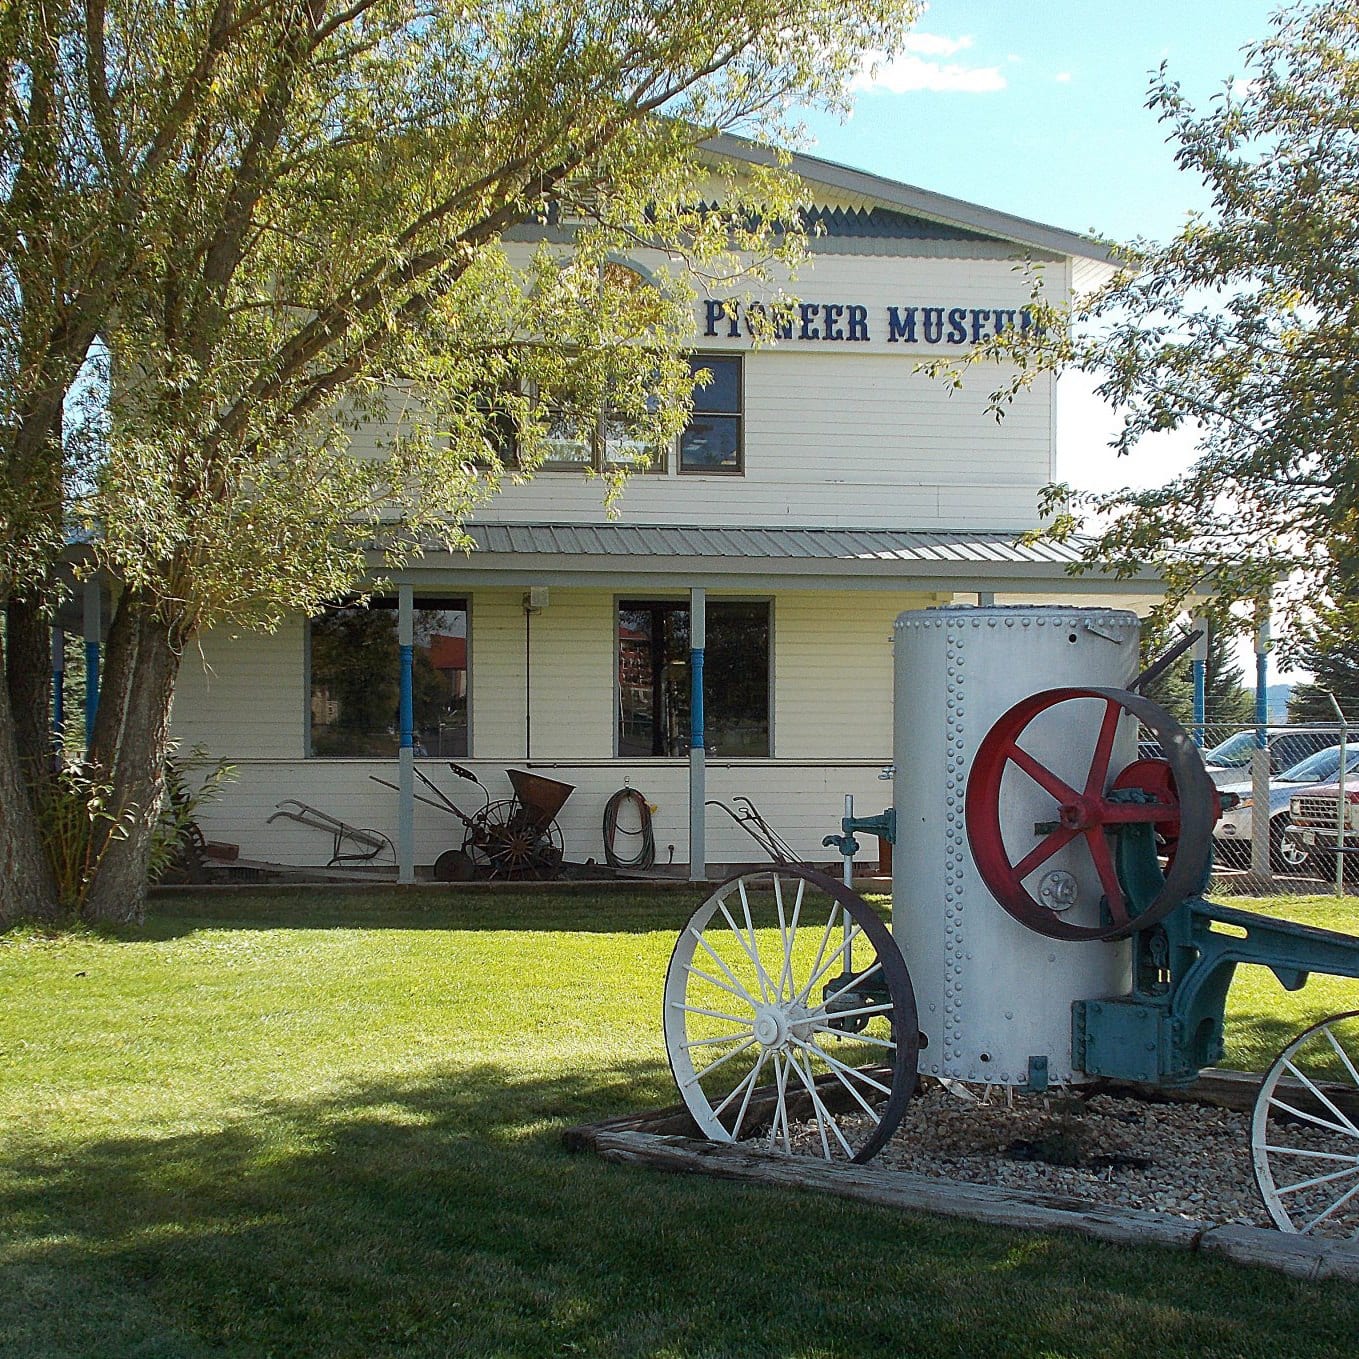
(1243, 327)
(288, 222)
(1331, 652)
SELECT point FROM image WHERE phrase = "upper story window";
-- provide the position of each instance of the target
(713, 440)
(604, 442)
(356, 680)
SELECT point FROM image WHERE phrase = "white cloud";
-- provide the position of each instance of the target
(1063, 77)
(936, 44)
(915, 68)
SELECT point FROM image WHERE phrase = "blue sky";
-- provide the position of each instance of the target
(1036, 107)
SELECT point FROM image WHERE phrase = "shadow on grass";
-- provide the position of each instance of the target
(440, 1216)
(615, 910)
(634, 909)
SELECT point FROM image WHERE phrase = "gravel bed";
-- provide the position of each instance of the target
(1190, 1160)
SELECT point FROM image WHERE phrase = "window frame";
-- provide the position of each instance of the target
(445, 602)
(681, 599)
(701, 359)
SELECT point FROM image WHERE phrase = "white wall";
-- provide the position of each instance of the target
(832, 697)
(850, 434)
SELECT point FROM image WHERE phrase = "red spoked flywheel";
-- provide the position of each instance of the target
(1009, 855)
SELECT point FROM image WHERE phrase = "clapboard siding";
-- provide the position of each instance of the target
(242, 695)
(832, 697)
(803, 802)
(848, 434)
(833, 673)
(838, 439)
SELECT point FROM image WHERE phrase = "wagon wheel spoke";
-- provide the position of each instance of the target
(1305, 1131)
(758, 988)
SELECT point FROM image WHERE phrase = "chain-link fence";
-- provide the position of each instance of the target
(1306, 781)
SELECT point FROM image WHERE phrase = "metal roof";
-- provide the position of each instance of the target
(912, 547)
(921, 202)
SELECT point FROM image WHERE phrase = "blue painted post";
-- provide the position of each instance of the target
(405, 822)
(58, 684)
(1260, 770)
(93, 633)
(1199, 669)
(698, 630)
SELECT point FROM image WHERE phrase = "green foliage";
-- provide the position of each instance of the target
(78, 820)
(1330, 650)
(1227, 700)
(1173, 689)
(176, 841)
(1241, 328)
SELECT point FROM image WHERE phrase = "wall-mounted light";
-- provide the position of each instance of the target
(535, 599)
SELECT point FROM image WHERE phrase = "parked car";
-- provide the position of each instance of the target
(1229, 762)
(1232, 833)
(1314, 828)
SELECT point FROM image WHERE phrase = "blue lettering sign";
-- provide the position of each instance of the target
(858, 322)
(713, 312)
(957, 326)
(934, 324)
(901, 327)
(807, 312)
(831, 311)
(979, 319)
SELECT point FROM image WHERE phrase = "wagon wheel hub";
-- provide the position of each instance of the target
(772, 1027)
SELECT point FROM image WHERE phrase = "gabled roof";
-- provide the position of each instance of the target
(937, 207)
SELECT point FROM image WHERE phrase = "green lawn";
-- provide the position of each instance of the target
(318, 1124)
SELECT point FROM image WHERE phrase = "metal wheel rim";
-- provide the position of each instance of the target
(502, 843)
(1000, 747)
(1305, 1146)
(776, 1070)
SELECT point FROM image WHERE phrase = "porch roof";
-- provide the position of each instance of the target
(744, 555)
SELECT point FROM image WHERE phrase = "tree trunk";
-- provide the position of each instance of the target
(28, 672)
(26, 888)
(131, 741)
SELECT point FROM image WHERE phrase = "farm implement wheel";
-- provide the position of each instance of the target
(1305, 1131)
(1047, 827)
(505, 840)
(789, 1017)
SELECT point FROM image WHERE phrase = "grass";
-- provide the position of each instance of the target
(311, 1125)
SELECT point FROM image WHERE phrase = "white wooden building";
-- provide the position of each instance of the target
(824, 486)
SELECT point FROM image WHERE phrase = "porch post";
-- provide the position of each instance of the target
(93, 628)
(405, 809)
(1199, 669)
(1260, 762)
(698, 850)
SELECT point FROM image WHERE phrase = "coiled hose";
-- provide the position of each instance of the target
(646, 855)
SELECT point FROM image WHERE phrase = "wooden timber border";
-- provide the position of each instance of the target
(668, 1139)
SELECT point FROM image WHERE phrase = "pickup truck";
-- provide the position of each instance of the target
(1314, 827)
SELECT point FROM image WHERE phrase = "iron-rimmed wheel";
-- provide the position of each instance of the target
(504, 841)
(790, 1018)
(1305, 1131)
(1015, 860)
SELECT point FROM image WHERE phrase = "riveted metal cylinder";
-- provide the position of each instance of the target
(985, 984)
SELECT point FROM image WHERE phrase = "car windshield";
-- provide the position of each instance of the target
(1321, 767)
(1234, 752)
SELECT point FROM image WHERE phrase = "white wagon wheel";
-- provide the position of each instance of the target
(789, 1017)
(1305, 1131)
